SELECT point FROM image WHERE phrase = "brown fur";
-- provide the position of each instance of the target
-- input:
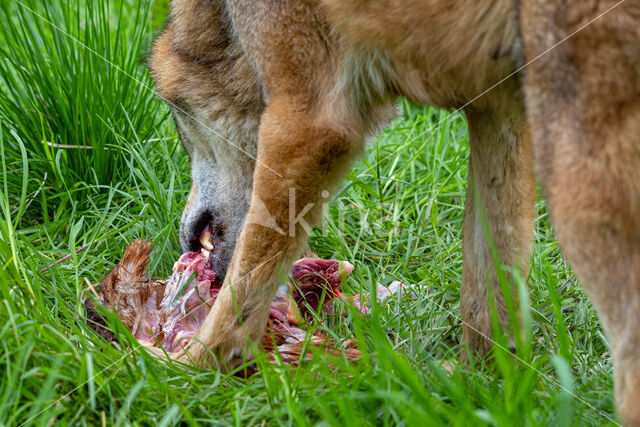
(319, 76)
(583, 102)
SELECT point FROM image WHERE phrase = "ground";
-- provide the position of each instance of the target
(89, 158)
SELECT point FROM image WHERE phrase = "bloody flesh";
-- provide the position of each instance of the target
(167, 313)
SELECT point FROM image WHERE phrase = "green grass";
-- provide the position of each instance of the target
(397, 216)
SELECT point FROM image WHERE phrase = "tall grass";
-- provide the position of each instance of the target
(397, 216)
(72, 79)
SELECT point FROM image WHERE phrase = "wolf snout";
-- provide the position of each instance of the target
(204, 231)
(215, 242)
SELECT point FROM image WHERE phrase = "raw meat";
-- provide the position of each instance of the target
(167, 313)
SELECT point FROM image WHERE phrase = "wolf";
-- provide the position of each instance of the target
(274, 98)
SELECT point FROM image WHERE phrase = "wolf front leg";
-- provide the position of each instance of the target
(307, 138)
(298, 165)
(498, 218)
